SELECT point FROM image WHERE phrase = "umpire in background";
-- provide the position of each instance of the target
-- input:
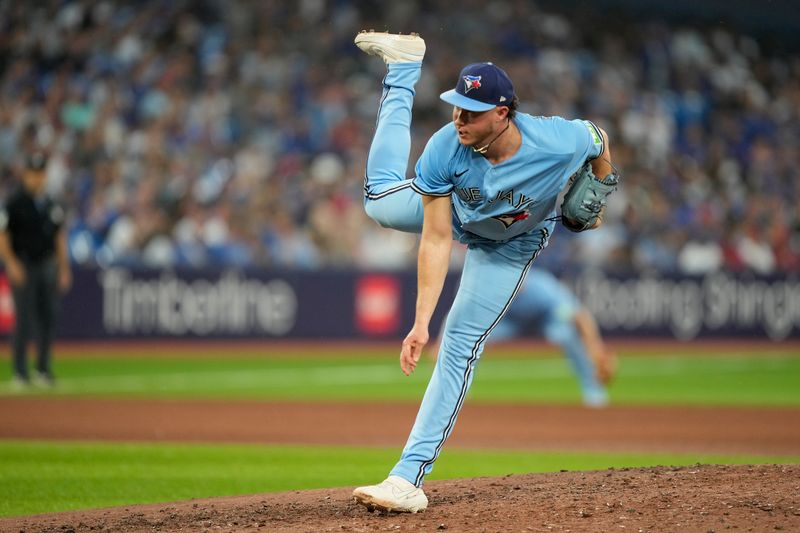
(33, 247)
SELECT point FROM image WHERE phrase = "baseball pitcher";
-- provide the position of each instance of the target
(490, 179)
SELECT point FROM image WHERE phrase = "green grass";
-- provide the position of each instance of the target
(41, 477)
(742, 378)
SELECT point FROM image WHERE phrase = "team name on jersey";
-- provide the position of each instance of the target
(473, 195)
(469, 195)
(517, 201)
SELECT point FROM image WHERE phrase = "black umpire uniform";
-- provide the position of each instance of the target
(33, 248)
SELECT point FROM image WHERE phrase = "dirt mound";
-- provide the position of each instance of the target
(700, 498)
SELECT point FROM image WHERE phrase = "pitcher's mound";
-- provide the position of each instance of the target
(699, 498)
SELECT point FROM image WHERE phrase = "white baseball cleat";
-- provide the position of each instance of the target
(596, 399)
(392, 47)
(394, 494)
(19, 384)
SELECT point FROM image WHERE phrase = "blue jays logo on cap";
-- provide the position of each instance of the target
(485, 86)
(471, 82)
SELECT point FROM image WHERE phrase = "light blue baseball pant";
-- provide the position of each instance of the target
(388, 197)
(563, 332)
(478, 306)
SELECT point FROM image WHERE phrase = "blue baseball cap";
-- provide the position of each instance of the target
(480, 87)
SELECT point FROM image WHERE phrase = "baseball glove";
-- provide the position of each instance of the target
(586, 198)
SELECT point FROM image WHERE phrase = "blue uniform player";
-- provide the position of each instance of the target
(547, 306)
(490, 179)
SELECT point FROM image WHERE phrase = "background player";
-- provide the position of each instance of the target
(548, 307)
(491, 178)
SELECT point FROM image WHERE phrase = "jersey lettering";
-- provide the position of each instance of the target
(469, 194)
(521, 202)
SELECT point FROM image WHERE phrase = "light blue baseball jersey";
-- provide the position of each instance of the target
(515, 197)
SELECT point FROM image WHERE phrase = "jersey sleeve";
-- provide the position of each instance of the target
(596, 146)
(432, 175)
(585, 139)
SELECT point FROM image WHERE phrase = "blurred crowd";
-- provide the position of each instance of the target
(235, 133)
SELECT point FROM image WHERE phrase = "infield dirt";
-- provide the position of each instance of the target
(751, 430)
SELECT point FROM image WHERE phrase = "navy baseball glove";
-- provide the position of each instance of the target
(585, 200)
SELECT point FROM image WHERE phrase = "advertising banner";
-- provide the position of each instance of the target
(686, 308)
(121, 303)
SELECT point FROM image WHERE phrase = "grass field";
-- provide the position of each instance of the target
(747, 378)
(38, 477)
